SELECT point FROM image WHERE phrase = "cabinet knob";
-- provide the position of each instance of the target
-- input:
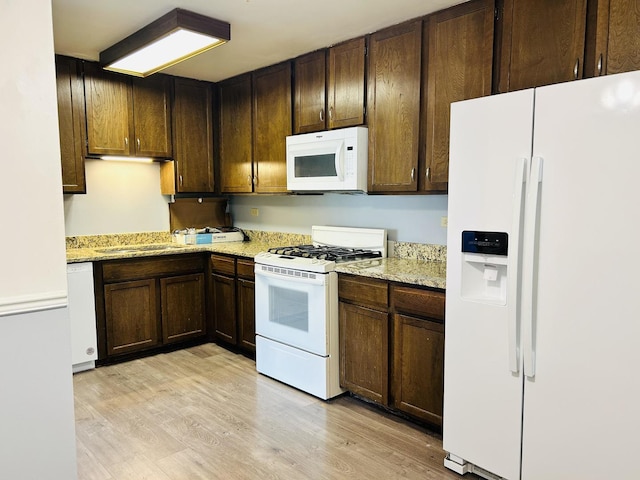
(330, 113)
(255, 180)
(413, 174)
(126, 142)
(428, 174)
(575, 68)
(138, 143)
(322, 115)
(180, 179)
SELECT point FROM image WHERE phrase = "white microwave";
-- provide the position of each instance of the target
(331, 161)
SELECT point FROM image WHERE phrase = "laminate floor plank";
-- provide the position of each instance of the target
(205, 413)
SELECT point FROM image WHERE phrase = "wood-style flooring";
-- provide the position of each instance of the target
(205, 413)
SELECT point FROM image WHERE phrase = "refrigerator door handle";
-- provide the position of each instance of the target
(531, 217)
(513, 306)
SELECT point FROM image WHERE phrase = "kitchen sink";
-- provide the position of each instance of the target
(138, 248)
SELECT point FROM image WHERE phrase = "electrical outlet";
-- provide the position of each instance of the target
(255, 212)
(444, 221)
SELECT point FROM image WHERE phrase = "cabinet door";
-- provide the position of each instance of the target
(271, 125)
(346, 84)
(132, 320)
(394, 107)
(182, 307)
(246, 314)
(459, 43)
(542, 42)
(613, 42)
(364, 352)
(71, 122)
(310, 80)
(152, 116)
(109, 112)
(193, 140)
(224, 308)
(418, 367)
(236, 172)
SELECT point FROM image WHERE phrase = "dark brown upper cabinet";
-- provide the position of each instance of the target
(127, 116)
(272, 123)
(310, 85)
(394, 108)
(346, 85)
(329, 87)
(613, 37)
(71, 122)
(236, 133)
(192, 168)
(457, 64)
(540, 42)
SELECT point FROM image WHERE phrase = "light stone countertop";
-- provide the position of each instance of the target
(427, 273)
(418, 264)
(96, 254)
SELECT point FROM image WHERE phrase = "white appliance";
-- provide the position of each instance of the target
(541, 349)
(296, 295)
(335, 160)
(82, 313)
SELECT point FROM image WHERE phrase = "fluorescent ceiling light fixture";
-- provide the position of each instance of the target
(174, 37)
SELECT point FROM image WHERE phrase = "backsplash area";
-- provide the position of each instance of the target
(419, 251)
(407, 218)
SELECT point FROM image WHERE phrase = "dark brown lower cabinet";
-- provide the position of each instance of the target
(364, 352)
(418, 351)
(246, 311)
(131, 317)
(418, 367)
(224, 300)
(232, 292)
(183, 300)
(145, 303)
(392, 345)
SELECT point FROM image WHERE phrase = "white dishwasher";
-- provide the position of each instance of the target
(82, 313)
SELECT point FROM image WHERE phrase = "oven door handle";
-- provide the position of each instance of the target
(318, 280)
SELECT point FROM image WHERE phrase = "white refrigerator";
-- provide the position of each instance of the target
(542, 330)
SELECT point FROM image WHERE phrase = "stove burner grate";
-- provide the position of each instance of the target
(336, 254)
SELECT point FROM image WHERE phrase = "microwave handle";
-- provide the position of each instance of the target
(340, 159)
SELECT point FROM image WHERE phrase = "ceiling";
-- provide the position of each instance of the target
(263, 32)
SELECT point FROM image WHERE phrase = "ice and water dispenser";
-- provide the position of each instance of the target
(484, 266)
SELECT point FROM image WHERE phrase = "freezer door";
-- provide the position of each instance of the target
(490, 150)
(582, 404)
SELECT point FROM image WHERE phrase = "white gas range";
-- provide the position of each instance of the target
(297, 338)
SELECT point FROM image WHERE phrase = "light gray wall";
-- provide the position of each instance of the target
(407, 218)
(122, 197)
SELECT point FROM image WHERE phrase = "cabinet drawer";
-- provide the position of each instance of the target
(423, 303)
(245, 268)
(222, 264)
(363, 291)
(132, 269)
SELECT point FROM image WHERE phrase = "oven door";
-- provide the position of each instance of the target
(293, 307)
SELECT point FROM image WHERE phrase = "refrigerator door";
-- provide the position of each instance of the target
(582, 404)
(490, 150)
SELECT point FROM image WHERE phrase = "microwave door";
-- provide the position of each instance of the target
(317, 166)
